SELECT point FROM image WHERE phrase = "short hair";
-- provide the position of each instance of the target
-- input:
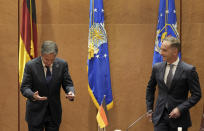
(174, 42)
(49, 47)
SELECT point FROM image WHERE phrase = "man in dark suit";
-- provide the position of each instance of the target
(43, 77)
(175, 79)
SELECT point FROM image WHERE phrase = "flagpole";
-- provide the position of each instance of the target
(166, 16)
(181, 23)
(18, 66)
(101, 129)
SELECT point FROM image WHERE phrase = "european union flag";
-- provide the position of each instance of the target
(98, 57)
(167, 26)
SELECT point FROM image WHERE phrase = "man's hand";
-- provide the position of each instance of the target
(70, 96)
(175, 113)
(39, 98)
(149, 115)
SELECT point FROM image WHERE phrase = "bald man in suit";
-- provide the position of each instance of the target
(175, 79)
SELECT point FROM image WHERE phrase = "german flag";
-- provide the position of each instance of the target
(28, 36)
(101, 116)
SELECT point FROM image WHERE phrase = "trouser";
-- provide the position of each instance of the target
(164, 125)
(47, 125)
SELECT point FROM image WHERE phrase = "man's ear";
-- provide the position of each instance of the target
(175, 51)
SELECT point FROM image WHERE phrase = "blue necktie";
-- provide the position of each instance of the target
(48, 74)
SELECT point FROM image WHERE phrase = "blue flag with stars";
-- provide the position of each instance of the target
(167, 26)
(98, 58)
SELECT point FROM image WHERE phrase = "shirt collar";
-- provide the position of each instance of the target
(44, 63)
(175, 62)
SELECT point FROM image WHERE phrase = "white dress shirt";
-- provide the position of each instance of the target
(175, 64)
(45, 69)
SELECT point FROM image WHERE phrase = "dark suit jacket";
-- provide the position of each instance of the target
(185, 80)
(34, 80)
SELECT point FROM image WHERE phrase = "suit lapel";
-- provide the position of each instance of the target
(41, 70)
(177, 75)
(162, 70)
(54, 69)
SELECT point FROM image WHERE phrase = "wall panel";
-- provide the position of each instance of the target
(131, 27)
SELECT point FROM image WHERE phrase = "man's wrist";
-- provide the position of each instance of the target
(149, 111)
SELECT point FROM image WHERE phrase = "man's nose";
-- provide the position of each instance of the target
(49, 63)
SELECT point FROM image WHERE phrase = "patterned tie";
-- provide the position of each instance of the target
(48, 74)
(170, 76)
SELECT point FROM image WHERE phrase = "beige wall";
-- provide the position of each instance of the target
(193, 46)
(8, 67)
(131, 28)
